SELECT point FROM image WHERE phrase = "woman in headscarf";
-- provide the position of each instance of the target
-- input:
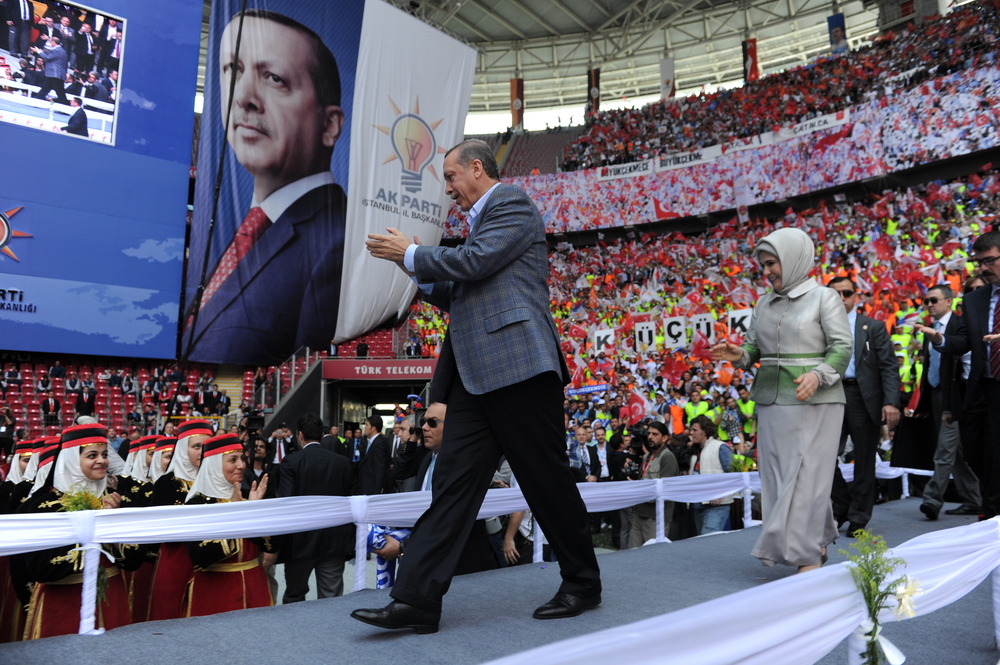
(800, 335)
(227, 573)
(133, 484)
(173, 566)
(79, 481)
(136, 491)
(140, 583)
(162, 454)
(11, 606)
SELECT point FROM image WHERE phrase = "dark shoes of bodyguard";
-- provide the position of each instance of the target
(397, 615)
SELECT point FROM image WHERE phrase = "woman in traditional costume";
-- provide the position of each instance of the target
(140, 583)
(173, 566)
(79, 483)
(227, 573)
(800, 335)
(11, 606)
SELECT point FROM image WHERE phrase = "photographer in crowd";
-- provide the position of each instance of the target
(658, 462)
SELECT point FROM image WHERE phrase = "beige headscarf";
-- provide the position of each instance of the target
(795, 251)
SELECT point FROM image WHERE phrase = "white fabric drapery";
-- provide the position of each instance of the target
(806, 617)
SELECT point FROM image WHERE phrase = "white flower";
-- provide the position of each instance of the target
(907, 588)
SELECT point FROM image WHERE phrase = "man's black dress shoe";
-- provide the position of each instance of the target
(930, 511)
(852, 530)
(400, 615)
(564, 605)
(963, 510)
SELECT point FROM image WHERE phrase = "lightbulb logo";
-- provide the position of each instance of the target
(7, 233)
(414, 145)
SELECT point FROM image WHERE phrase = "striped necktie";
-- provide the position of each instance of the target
(995, 345)
(252, 228)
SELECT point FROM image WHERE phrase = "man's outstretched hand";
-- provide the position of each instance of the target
(390, 247)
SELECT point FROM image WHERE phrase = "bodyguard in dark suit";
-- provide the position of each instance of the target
(313, 471)
(871, 385)
(418, 463)
(289, 247)
(979, 332)
(373, 469)
(940, 397)
(20, 14)
(502, 347)
(78, 121)
(85, 403)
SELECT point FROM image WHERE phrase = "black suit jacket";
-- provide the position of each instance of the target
(297, 262)
(85, 407)
(875, 366)
(14, 12)
(47, 409)
(77, 123)
(373, 470)
(968, 336)
(335, 445)
(272, 445)
(314, 471)
(951, 374)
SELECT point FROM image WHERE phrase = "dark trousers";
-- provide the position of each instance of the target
(989, 442)
(55, 85)
(329, 578)
(478, 431)
(855, 503)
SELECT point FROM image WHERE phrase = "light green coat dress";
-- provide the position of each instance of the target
(805, 330)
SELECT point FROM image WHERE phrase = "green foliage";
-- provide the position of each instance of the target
(871, 569)
(742, 463)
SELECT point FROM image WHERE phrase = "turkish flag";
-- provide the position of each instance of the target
(577, 331)
(662, 211)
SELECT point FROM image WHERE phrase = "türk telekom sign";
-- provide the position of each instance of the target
(379, 370)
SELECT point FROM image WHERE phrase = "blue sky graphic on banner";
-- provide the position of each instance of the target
(321, 88)
(92, 231)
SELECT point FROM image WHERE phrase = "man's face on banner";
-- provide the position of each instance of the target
(277, 130)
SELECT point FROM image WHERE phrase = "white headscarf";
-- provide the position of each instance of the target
(69, 476)
(156, 466)
(795, 251)
(15, 475)
(40, 474)
(211, 481)
(181, 464)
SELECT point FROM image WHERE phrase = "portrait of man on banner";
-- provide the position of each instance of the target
(838, 34)
(274, 261)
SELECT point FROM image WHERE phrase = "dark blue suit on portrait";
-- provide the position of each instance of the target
(285, 293)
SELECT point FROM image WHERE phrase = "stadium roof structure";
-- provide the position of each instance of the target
(552, 43)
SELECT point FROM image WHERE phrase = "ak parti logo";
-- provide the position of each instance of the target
(413, 144)
(7, 233)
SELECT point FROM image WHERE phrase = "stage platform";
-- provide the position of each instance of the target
(488, 615)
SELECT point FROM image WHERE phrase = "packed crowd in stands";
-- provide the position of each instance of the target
(895, 245)
(963, 39)
(41, 399)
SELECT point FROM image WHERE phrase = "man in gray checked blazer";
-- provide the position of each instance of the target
(501, 350)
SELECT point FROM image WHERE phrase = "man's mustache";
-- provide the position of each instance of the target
(251, 122)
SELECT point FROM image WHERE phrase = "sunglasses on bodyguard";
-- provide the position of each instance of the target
(431, 422)
(934, 301)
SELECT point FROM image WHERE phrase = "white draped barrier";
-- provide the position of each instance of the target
(798, 619)
(26, 533)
